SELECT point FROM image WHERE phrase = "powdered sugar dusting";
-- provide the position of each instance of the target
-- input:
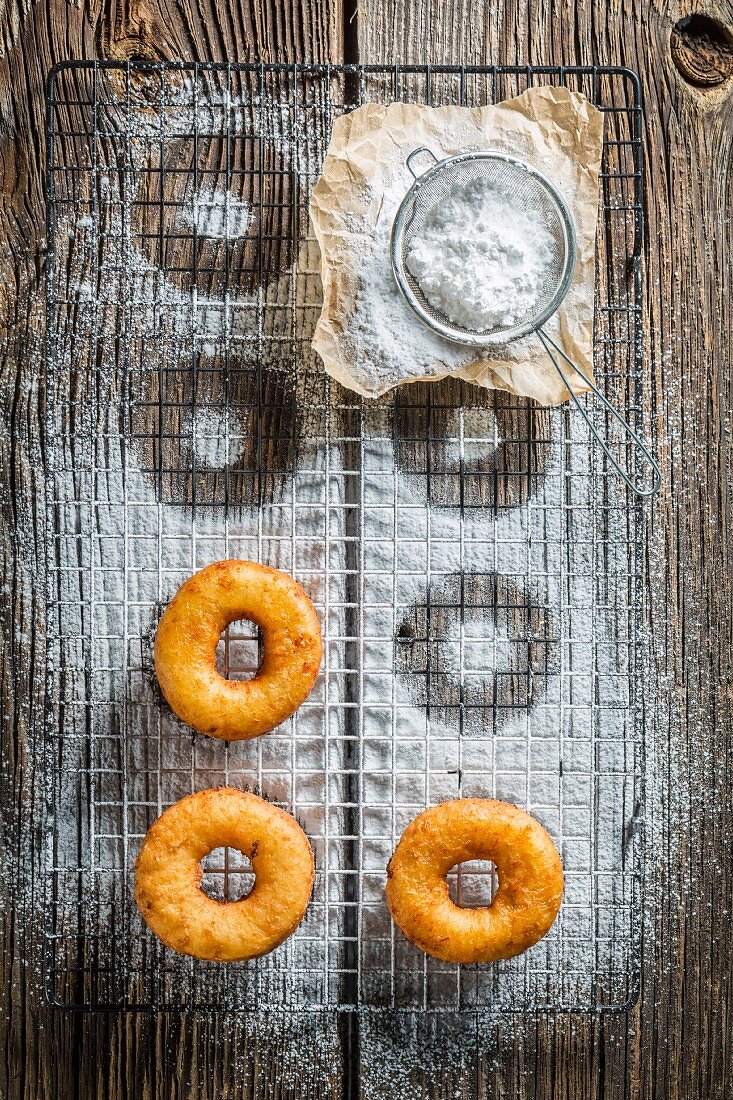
(382, 353)
(211, 436)
(471, 650)
(216, 213)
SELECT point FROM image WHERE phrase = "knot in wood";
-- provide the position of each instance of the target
(702, 50)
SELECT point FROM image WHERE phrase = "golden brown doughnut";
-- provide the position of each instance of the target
(168, 875)
(188, 632)
(527, 863)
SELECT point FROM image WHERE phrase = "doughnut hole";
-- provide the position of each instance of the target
(228, 875)
(473, 884)
(239, 651)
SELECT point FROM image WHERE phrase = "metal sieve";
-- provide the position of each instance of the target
(535, 196)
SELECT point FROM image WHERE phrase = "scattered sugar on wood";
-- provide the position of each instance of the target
(486, 541)
(218, 214)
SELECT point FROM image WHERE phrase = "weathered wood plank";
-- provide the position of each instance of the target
(676, 1043)
(45, 1053)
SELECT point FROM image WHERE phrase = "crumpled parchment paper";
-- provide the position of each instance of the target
(361, 336)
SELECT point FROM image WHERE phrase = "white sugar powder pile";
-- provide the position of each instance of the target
(480, 259)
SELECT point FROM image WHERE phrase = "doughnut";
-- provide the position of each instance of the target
(168, 875)
(184, 654)
(527, 863)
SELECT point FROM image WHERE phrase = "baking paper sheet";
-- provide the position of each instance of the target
(352, 208)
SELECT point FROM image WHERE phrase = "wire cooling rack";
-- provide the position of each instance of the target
(474, 565)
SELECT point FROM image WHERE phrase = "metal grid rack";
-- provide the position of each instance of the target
(474, 564)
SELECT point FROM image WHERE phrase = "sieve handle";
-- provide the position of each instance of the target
(643, 491)
(416, 153)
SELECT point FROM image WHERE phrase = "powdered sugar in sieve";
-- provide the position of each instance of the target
(529, 258)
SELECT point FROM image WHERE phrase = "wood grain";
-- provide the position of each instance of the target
(46, 1053)
(702, 50)
(677, 1042)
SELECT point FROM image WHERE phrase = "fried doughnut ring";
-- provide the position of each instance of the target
(168, 875)
(188, 632)
(527, 863)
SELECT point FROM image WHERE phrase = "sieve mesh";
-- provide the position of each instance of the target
(530, 193)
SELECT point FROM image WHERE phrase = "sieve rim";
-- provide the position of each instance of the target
(447, 331)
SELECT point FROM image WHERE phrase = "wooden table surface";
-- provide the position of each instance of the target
(677, 1041)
